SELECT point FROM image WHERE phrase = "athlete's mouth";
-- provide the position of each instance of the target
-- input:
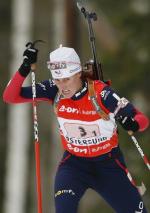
(66, 92)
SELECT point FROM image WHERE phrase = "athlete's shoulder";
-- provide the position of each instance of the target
(46, 84)
(48, 88)
(99, 85)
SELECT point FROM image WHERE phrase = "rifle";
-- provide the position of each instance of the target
(91, 16)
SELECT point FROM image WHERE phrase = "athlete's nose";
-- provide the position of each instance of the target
(63, 84)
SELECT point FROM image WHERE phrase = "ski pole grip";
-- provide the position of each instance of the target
(33, 67)
(130, 132)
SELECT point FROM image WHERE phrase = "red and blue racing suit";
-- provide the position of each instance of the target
(92, 157)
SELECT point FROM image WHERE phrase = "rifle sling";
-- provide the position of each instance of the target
(93, 99)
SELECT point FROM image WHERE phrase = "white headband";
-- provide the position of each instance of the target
(64, 62)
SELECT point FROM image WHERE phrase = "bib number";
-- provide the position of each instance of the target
(81, 130)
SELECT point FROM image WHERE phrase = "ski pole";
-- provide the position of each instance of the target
(36, 134)
(122, 102)
(36, 142)
(135, 141)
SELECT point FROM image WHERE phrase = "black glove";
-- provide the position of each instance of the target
(30, 57)
(128, 123)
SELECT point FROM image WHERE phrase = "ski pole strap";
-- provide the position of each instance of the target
(93, 99)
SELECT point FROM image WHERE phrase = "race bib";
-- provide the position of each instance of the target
(77, 130)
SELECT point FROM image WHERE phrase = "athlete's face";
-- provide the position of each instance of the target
(69, 86)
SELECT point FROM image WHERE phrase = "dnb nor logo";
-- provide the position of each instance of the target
(64, 191)
(58, 65)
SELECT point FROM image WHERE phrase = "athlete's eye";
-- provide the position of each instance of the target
(56, 80)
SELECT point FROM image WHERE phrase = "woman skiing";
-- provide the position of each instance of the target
(92, 157)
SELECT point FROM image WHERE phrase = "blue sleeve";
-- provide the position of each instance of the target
(109, 100)
(46, 89)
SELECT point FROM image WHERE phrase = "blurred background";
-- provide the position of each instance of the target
(123, 46)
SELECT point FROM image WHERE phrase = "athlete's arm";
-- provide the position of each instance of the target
(129, 117)
(16, 93)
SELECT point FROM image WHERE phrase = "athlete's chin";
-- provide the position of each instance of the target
(67, 95)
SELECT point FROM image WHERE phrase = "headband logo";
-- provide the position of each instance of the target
(58, 65)
(58, 72)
